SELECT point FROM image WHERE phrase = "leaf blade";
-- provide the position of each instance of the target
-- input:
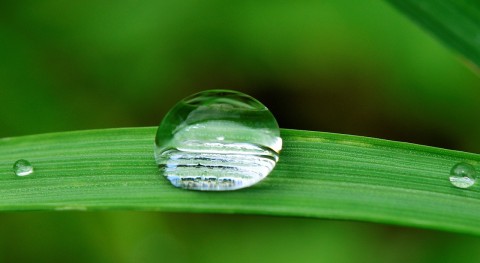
(319, 175)
(456, 23)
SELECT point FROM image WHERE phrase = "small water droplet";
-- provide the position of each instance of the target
(217, 140)
(463, 175)
(22, 168)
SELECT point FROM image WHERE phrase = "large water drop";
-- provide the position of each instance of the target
(217, 140)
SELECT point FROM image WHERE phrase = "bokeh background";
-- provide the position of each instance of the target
(344, 66)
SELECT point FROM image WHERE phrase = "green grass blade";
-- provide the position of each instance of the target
(455, 22)
(319, 175)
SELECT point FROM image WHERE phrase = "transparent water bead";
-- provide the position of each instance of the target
(217, 140)
(22, 168)
(463, 175)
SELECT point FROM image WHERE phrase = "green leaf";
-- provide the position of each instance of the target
(319, 175)
(455, 22)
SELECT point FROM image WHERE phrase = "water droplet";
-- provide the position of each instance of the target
(22, 168)
(463, 175)
(217, 140)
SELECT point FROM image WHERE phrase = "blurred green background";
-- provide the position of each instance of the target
(355, 67)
